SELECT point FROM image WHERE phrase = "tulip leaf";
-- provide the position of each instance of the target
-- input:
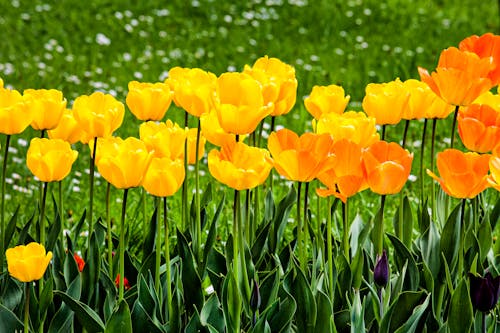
(377, 231)
(357, 314)
(449, 237)
(46, 296)
(11, 227)
(85, 315)
(80, 223)
(12, 293)
(212, 233)
(402, 254)
(120, 320)
(61, 322)
(190, 279)
(305, 316)
(269, 207)
(9, 321)
(280, 219)
(401, 310)
(358, 232)
(231, 302)
(407, 221)
(145, 297)
(269, 289)
(484, 235)
(495, 215)
(54, 232)
(280, 320)
(211, 314)
(141, 320)
(23, 235)
(324, 319)
(259, 245)
(149, 241)
(357, 269)
(429, 244)
(460, 316)
(412, 323)
(91, 269)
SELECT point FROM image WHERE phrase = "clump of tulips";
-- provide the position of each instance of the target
(255, 265)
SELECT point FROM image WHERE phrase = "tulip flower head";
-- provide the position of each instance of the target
(98, 114)
(326, 99)
(485, 46)
(15, 115)
(484, 291)
(424, 103)
(126, 284)
(381, 270)
(213, 132)
(462, 175)
(300, 158)
(240, 166)
(148, 101)
(191, 145)
(50, 160)
(164, 176)
(479, 127)
(239, 103)
(386, 102)
(279, 85)
(387, 167)
(28, 263)
(68, 129)
(460, 76)
(79, 262)
(490, 99)
(47, 107)
(125, 165)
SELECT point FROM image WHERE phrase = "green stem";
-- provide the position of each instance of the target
(145, 223)
(433, 190)
(42, 235)
(248, 222)
(2, 213)
(381, 302)
(197, 194)
(440, 297)
(61, 210)
(383, 132)
(329, 248)
(380, 244)
(91, 205)
(345, 236)
(256, 205)
(405, 133)
(122, 246)
(185, 210)
(108, 233)
(483, 321)
(236, 296)
(157, 244)
(167, 258)
(462, 238)
(300, 229)
(422, 150)
(453, 126)
(27, 309)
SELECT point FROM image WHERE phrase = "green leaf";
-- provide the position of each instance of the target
(11, 227)
(9, 321)
(212, 315)
(305, 316)
(269, 289)
(62, 320)
(460, 317)
(79, 225)
(407, 221)
(141, 320)
(357, 269)
(91, 269)
(146, 298)
(324, 319)
(281, 319)
(358, 232)
(280, 219)
(193, 294)
(85, 315)
(357, 314)
(412, 323)
(148, 245)
(429, 244)
(209, 243)
(401, 310)
(70, 268)
(54, 232)
(23, 235)
(46, 297)
(450, 236)
(377, 230)
(485, 238)
(12, 293)
(402, 255)
(231, 302)
(120, 320)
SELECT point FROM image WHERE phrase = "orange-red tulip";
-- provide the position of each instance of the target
(479, 127)
(460, 76)
(300, 158)
(387, 167)
(279, 85)
(239, 166)
(485, 46)
(326, 99)
(462, 175)
(346, 177)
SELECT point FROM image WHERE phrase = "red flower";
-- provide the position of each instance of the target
(79, 261)
(126, 285)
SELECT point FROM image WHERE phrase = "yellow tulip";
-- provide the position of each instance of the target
(279, 85)
(108, 146)
(326, 99)
(15, 116)
(148, 101)
(98, 114)
(239, 103)
(163, 139)
(490, 99)
(193, 89)
(164, 177)
(28, 263)
(50, 159)
(239, 166)
(351, 125)
(386, 102)
(191, 145)
(47, 107)
(1, 83)
(213, 132)
(68, 129)
(424, 103)
(126, 166)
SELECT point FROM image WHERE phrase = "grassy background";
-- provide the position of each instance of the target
(80, 47)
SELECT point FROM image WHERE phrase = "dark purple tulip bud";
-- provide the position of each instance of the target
(381, 270)
(255, 298)
(484, 292)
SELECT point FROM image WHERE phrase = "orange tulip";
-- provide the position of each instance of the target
(98, 114)
(326, 99)
(479, 127)
(239, 166)
(163, 139)
(346, 177)
(387, 167)
(164, 177)
(300, 158)
(148, 101)
(239, 103)
(460, 76)
(47, 107)
(386, 102)
(424, 103)
(15, 115)
(68, 129)
(485, 46)
(193, 89)
(463, 175)
(353, 126)
(279, 85)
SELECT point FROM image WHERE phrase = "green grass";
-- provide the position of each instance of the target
(80, 47)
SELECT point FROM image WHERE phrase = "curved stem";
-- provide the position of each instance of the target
(2, 213)
(157, 244)
(453, 126)
(91, 205)
(108, 233)
(197, 193)
(122, 246)
(27, 308)
(167, 258)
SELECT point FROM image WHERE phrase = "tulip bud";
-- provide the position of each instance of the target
(255, 298)
(484, 292)
(381, 270)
